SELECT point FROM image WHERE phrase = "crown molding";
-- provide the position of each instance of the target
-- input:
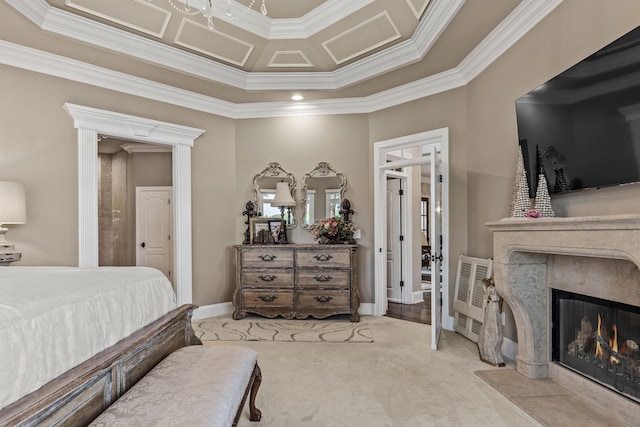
(320, 18)
(492, 47)
(522, 19)
(135, 128)
(404, 53)
(325, 15)
(76, 27)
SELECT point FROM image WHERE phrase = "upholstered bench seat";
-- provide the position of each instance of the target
(193, 386)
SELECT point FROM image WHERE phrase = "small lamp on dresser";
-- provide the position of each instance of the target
(283, 199)
(13, 210)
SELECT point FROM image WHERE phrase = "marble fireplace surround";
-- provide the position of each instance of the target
(597, 256)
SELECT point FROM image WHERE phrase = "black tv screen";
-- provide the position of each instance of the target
(581, 129)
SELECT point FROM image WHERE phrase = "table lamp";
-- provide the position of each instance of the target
(283, 200)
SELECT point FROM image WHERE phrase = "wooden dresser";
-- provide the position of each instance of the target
(296, 281)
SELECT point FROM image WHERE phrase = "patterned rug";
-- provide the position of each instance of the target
(282, 330)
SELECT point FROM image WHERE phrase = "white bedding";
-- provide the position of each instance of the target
(53, 318)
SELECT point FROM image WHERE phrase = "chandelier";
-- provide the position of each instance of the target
(208, 8)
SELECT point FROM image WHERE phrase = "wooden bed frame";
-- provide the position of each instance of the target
(76, 397)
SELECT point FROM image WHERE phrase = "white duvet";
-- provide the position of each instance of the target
(53, 318)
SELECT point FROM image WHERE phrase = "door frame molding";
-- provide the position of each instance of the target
(91, 122)
(440, 136)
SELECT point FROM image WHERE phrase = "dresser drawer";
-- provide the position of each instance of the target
(339, 258)
(271, 278)
(267, 258)
(323, 278)
(324, 299)
(266, 298)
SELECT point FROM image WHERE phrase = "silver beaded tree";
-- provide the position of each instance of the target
(520, 201)
(543, 200)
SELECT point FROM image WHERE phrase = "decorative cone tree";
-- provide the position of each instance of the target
(520, 201)
(543, 200)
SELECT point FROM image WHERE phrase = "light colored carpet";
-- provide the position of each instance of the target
(282, 330)
(396, 381)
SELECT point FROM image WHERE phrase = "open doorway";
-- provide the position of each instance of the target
(414, 306)
(409, 156)
(135, 226)
(92, 121)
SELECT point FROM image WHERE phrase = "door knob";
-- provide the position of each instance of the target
(143, 244)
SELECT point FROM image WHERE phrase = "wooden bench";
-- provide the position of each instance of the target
(193, 386)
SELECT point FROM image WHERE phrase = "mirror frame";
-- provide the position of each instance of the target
(274, 170)
(322, 170)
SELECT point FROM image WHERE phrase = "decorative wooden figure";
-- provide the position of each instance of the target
(490, 338)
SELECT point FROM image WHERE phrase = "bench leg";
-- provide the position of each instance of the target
(252, 387)
(255, 414)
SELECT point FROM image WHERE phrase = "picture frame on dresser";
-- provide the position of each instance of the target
(278, 230)
(267, 231)
(259, 231)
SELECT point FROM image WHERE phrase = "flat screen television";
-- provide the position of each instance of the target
(581, 129)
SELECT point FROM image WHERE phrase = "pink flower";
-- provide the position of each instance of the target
(533, 213)
(332, 229)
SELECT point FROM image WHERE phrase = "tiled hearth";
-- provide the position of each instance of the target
(594, 256)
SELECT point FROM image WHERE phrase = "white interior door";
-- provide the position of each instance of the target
(435, 226)
(427, 148)
(154, 228)
(394, 244)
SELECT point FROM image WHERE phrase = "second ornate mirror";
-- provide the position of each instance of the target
(264, 192)
(322, 193)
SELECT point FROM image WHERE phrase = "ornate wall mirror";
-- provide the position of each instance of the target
(264, 187)
(322, 193)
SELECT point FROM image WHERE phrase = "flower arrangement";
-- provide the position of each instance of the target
(333, 230)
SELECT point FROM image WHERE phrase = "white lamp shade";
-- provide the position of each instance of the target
(283, 196)
(13, 208)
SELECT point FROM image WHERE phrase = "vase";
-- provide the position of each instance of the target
(327, 241)
(336, 241)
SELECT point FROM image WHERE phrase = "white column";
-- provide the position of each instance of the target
(182, 223)
(87, 198)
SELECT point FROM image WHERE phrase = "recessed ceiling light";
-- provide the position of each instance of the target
(297, 97)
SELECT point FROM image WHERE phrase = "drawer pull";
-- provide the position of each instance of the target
(267, 278)
(323, 278)
(268, 298)
(267, 257)
(323, 257)
(323, 298)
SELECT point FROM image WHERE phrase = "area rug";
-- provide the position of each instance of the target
(282, 330)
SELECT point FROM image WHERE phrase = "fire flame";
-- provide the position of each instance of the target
(599, 351)
(614, 345)
(613, 342)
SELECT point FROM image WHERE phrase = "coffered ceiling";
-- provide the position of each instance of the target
(311, 35)
(322, 49)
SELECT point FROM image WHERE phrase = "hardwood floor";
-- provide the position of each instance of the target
(419, 313)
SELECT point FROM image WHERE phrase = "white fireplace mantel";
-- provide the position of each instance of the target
(524, 271)
(597, 256)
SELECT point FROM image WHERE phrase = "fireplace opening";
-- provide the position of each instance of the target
(598, 339)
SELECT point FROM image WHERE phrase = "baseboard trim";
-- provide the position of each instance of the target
(213, 310)
(367, 309)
